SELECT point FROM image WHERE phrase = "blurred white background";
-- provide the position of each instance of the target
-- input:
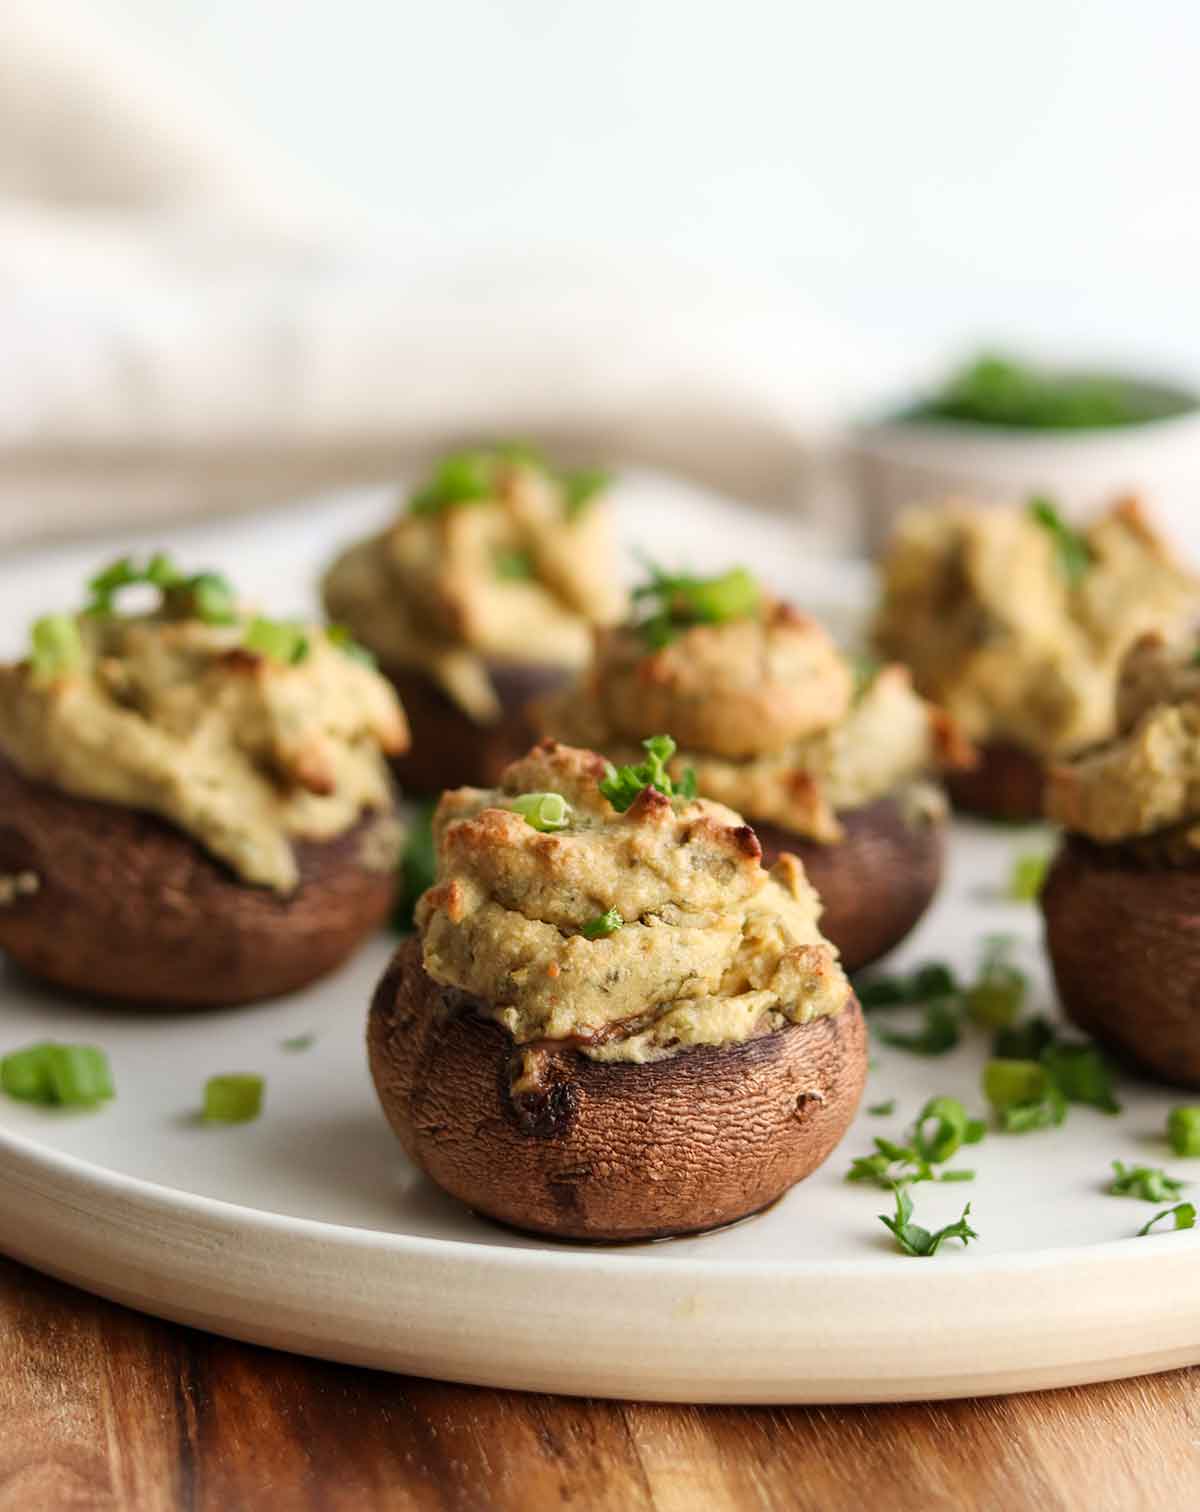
(249, 247)
(936, 171)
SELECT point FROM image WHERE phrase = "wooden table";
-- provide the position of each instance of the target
(103, 1408)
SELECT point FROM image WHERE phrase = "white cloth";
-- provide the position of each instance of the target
(187, 325)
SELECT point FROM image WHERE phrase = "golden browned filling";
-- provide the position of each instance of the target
(499, 558)
(767, 711)
(1016, 623)
(1146, 780)
(632, 933)
(249, 734)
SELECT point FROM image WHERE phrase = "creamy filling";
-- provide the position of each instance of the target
(518, 578)
(712, 949)
(178, 718)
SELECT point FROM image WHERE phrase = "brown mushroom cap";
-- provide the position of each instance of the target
(449, 749)
(874, 883)
(124, 905)
(1007, 783)
(607, 1150)
(1123, 935)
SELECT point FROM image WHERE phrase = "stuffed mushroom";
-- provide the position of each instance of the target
(826, 758)
(615, 1023)
(479, 596)
(1016, 624)
(1122, 898)
(195, 803)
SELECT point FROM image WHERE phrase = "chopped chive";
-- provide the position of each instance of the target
(55, 646)
(1023, 1094)
(233, 1098)
(603, 925)
(544, 811)
(678, 601)
(883, 1109)
(949, 1121)
(297, 1042)
(1183, 1130)
(994, 1001)
(1028, 877)
(210, 598)
(75, 1076)
(282, 640)
(1184, 1214)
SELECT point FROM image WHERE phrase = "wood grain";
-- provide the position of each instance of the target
(101, 1408)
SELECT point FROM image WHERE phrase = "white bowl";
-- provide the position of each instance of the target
(896, 463)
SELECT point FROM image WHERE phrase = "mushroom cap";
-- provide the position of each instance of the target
(613, 1150)
(127, 906)
(1123, 935)
(449, 749)
(1007, 783)
(874, 883)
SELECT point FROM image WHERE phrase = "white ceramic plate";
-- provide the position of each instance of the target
(309, 1231)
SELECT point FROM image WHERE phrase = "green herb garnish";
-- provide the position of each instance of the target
(669, 603)
(340, 639)
(580, 486)
(939, 1032)
(915, 1240)
(236, 1097)
(1028, 877)
(418, 866)
(883, 1109)
(603, 925)
(514, 566)
(75, 1076)
(544, 811)
(1082, 1075)
(995, 999)
(1183, 1130)
(1074, 554)
(622, 785)
(282, 640)
(942, 1126)
(891, 1165)
(1024, 1041)
(55, 646)
(297, 1042)
(1147, 1182)
(205, 596)
(1023, 1095)
(461, 478)
(1183, 1213)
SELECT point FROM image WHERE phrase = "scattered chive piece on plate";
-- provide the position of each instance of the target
(1028, 876)
(298, 1042)
(1183, 1130)
(603, 925)
(1184, 1214)
(1023, 1095)
(236, 1097)
(883, 1109)
(69, 1076)
(912, 1239)
(546, 812)
(939, 1032)
(1147, 1182)
(995, 1000)
(949, 1123)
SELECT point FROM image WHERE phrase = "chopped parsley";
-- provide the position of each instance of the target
(1147, 1182)
(912, 1239)
(1183, 1213)
(939, 1033)
(622, 785)
(671, 602)
(603, 925)
(1082, 1075)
